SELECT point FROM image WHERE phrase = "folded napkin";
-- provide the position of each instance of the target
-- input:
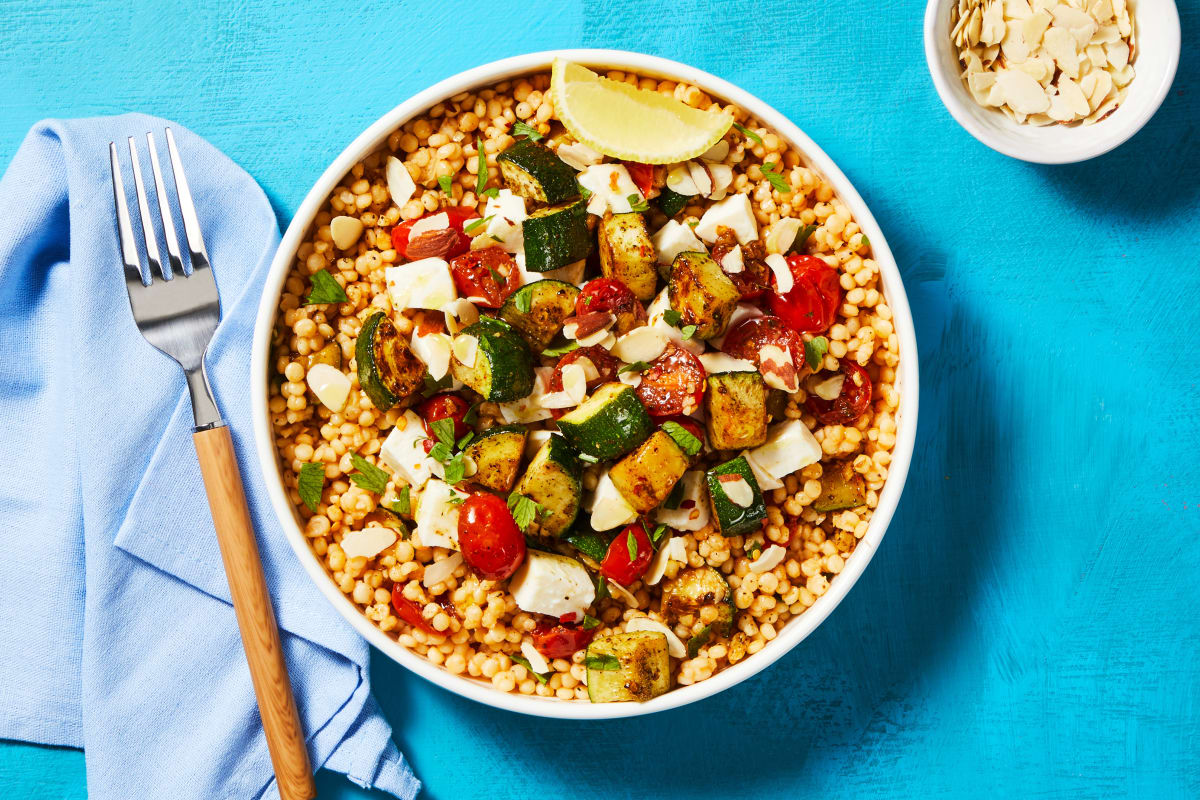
(117, 632)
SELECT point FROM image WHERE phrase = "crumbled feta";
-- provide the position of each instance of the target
(735, 213)
(421, 284)
(611, 187)
(547, 583)
(403, 452)
(674, 238)
(790, 446)
(507, 212)
(436, 517)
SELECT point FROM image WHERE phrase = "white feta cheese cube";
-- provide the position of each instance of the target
(674, 238)
(421, 284)
(507, 212)
(790, 446)
(611, 187)
(735, 213)
(548, 583)
(609, 507)
(436, 516)
(403, 452)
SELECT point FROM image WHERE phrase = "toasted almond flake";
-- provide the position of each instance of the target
(367, 543)
(679, 180)
(1076, 99)
(1104, 85)
(537, 661)
(620, 592)
(782, 235)
(1060, 109)
(436, 222)
(1014, 47)
(722, 179)
(399, 182)
(700, 177)
(434, 349)
(1035, 27)
(1022, 93)
(717, 152)
(1117, 54)
(459, 314)
(1097, 56)
(768, 559)
(1017, 9)
(658, 564)
(574, 381)
(1122, 77)
(737, 490)
(1101, 10)
(993, 24)
(579, 156)
(345, 231)
(330, 385)
(1033, 68)
(830, 388)
(440, 570)
(675, 648)
(783, 273)
(466, 349)
(641, 344)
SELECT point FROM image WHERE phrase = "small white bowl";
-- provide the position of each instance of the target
(1156, 25)
(791, 633)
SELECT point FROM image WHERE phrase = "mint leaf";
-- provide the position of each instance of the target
(368, 476)
(686, 440)
(749, 134)
(311, 484)
(403, 504)
(637, 204)
(465, 440)
(325, 289)
(802, 239)
(443, 430)
(432, 387)
(602, 662)
(447, 184)
(771, 171)
(524, 662)
(561, 351)
(521, 129)
(814, 352)
(589, 622)
(658, 532)
(455, 469)
(476, 224)
(481, 182)
(672, 317)
(688, 331)
(441, 453)
(492, 192)
(636, 366)
(631, 546)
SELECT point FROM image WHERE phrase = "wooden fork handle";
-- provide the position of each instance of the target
(255, 615)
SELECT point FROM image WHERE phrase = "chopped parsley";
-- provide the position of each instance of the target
(688, 331)
(524, 510)
(521, 129)
(481, 182)
(524, 662)
(771, 171)
(814, 351)
(311, 483)
(476, 224)
(325, 289)
(523, 301)
(802, 239)
(686, 440)
(631, 546)
(446, 183)
(675, 497)
(603, 662)
(589, 622)
(636, 366)
(749, 134)
(561, 351)
(636, 204)
(367, 475)
(403, 504)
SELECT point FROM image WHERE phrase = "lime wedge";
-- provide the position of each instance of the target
(628, 123)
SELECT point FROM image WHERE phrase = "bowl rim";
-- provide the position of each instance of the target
(1031, 151)
(792, 633)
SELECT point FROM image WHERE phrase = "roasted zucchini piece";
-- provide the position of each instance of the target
(591, 544)
(330, 354)
(737, 502)
(693, 589)
(556, 236)
(702, 293)
(534, 172)
(554, 479)
(388, 371)
(537, 311)
(502, 369)
(671, 202)
(497, 455)
(736, 410)
(777, 400)
(608, 424)
(628, 666)
(646, 476)
(627, 255)
(841, 488)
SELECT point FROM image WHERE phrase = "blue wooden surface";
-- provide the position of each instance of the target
(1029, 626)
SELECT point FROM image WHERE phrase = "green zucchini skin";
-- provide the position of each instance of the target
(534, 172)
(694, 588)
(736, 410)
(556, 236)
(732, 519)
(608, 424)
(503, 369)
(550, 302)
(627, 254)
(388, 370)
(671, 202)
(841, 488)
(702, 293)
(644, 667)
(554, 479)
(646, 476)
(497, 454)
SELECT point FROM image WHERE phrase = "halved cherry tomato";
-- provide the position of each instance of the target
(477, 275)
(609, 294)
(560, 640)
(850, 404)
(489, 538)
(458, 218)
(409, 611)
(619, 563)
(642, 174)
(445, 406)
(606, 365)
(750, 336)
(752, 281)
(674, 383)
(811, 306)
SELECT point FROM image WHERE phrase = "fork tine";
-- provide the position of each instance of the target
(191, 225)
(164, 210)
(129, 251)
(144, 207)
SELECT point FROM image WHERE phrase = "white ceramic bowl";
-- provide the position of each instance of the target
(1156, 25)
(796, 629)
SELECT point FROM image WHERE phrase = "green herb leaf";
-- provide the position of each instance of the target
(368, 476)
(636, 366)
(814, 352)
(472, 415)
(457, 499)
(686, 440)
(675, 497)
(523, 301)
(561, 351)
(455, 469)
(524, 510)
(590, 459)
(432, 387)
(589, 622)
(672, 317)
(770, 170)
(802, 239)
(602, 589)
(403, 502)
(602, 662)
(631, 546)
(443, 430)
(521, 129)
(467, 438)
(481, 182)
(311, 484)
(476, 224)
(865, 241)
(688, 331)
(749, 134)
(637, 204)
(584, 192)
(441, 453)
(447, 184)
(658, 532)
(325, 290)
(699, 640)
(524, 662)
(491, 192)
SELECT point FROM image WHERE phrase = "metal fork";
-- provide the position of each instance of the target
(177, 312)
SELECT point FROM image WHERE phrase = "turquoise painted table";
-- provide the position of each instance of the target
(1029, 626)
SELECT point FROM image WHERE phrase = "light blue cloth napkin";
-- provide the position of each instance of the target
(117, 633)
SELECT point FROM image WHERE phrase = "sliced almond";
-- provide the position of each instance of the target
(1035, 26)
(440, 570)
(1076, 100)
(1117, 54)
(466, 350)
(345, 231)
(400, 183)
(782, 234)
(717, 152)
(783, 273)
(367, 543)
(1022, 93)
(679, 180)
(737, 490)
(732, 262)
(700, 177)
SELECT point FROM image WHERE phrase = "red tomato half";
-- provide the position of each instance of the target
(674, 383)
(642, 175)
(618, 564)
(445, 406)
(850, 404)
(609, 294)
(477, 275)
(409, 611)
(811, 306)
(750, 336)
(456, 245)
(556, 640)
(489, 538)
